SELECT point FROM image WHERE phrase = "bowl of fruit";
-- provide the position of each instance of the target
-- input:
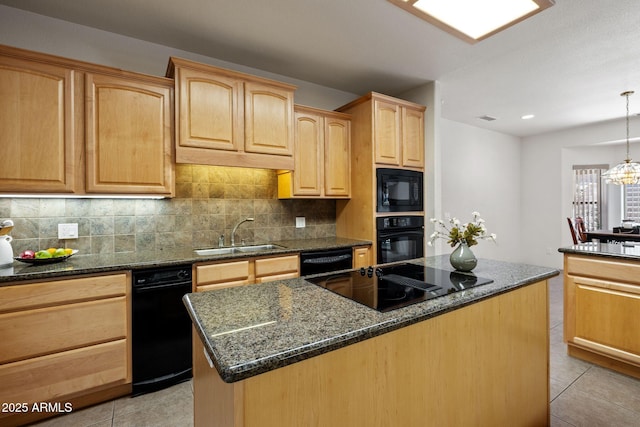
(46, 256)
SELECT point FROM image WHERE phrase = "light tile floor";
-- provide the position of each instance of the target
(582, 394)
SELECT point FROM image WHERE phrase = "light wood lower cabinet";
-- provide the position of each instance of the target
(69, 342)
(277, 268)
(602, 302)
(225, 274)
(486, 364)
(361, 256)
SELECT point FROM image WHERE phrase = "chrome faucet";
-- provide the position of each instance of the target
(233, 232)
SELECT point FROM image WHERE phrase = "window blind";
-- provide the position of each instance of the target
(587, 195)
(632, 202)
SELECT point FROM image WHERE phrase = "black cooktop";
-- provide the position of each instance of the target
(391, 287)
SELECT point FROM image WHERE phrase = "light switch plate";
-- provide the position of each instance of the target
(300, 222)
(68, 231)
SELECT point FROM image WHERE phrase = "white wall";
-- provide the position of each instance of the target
(547, 181)
(53, 36)
(480, 171)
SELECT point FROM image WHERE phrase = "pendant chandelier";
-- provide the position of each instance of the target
(627, 172)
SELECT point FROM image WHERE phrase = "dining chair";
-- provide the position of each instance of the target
(581, 229)
(573, 231)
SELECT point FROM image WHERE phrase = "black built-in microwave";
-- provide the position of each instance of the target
(399, 190)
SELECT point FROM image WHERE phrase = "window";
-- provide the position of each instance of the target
(587, 194)
(632, 202)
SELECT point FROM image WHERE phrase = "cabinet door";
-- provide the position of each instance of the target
(412, 137)
(277, 268)
(601, 312)
(223, 275)
(309, 135)
(209, 110)
(268, 119)
(129, 136)
(361, 257)
(386, 134)
(337, 157)
(40, 127)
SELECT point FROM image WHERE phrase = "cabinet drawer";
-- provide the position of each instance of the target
(229, 273)
(607, 269)
(52, 329)
(276, 266)
(61, 374)
(35, 295)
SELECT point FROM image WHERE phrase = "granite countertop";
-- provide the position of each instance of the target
(98, 263)
(249, 330)
(627, 250)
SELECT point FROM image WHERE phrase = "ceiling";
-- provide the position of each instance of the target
(567, 65)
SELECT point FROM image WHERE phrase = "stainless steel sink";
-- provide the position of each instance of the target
(256, 248)
(237, 249)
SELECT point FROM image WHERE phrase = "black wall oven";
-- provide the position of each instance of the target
(399, 190)
(399, 238)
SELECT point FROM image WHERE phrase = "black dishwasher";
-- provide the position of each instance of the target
(325, 261)
(160, 328)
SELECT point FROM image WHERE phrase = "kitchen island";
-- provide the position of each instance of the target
(602, 304)
(289, 353)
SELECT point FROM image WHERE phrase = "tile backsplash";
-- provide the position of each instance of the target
(209, 201)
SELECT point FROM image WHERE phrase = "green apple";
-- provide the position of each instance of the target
(59, 252)
(43, 254)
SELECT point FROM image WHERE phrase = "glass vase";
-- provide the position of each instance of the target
(462, 258)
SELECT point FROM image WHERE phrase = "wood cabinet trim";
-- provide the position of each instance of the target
(185, 63)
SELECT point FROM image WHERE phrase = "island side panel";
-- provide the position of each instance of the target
(484, 364)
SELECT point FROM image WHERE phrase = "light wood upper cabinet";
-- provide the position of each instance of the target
(41, 124)
(268, 119)
(229, 118)
(413, 137)
(322, 167)
(72, 127)
(386, 135)
(337, 156)
(128, 135)
(208, 114)
(309, 137)
(398, 133)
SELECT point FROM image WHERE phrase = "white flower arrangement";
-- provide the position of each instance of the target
(455, 232)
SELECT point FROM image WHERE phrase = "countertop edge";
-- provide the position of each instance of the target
(81, 264)
(234, 373)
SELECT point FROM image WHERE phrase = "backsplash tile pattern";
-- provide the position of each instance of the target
(209, 202)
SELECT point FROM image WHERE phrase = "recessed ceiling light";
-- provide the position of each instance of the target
(527, 117)
(473, 20)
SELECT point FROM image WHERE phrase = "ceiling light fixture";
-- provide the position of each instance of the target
(627, 172)
(527, 117)
(473, 20)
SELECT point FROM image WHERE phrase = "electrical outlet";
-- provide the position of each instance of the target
(300, 222)
(68, 231)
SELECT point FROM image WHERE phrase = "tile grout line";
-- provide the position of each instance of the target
(571, 384)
